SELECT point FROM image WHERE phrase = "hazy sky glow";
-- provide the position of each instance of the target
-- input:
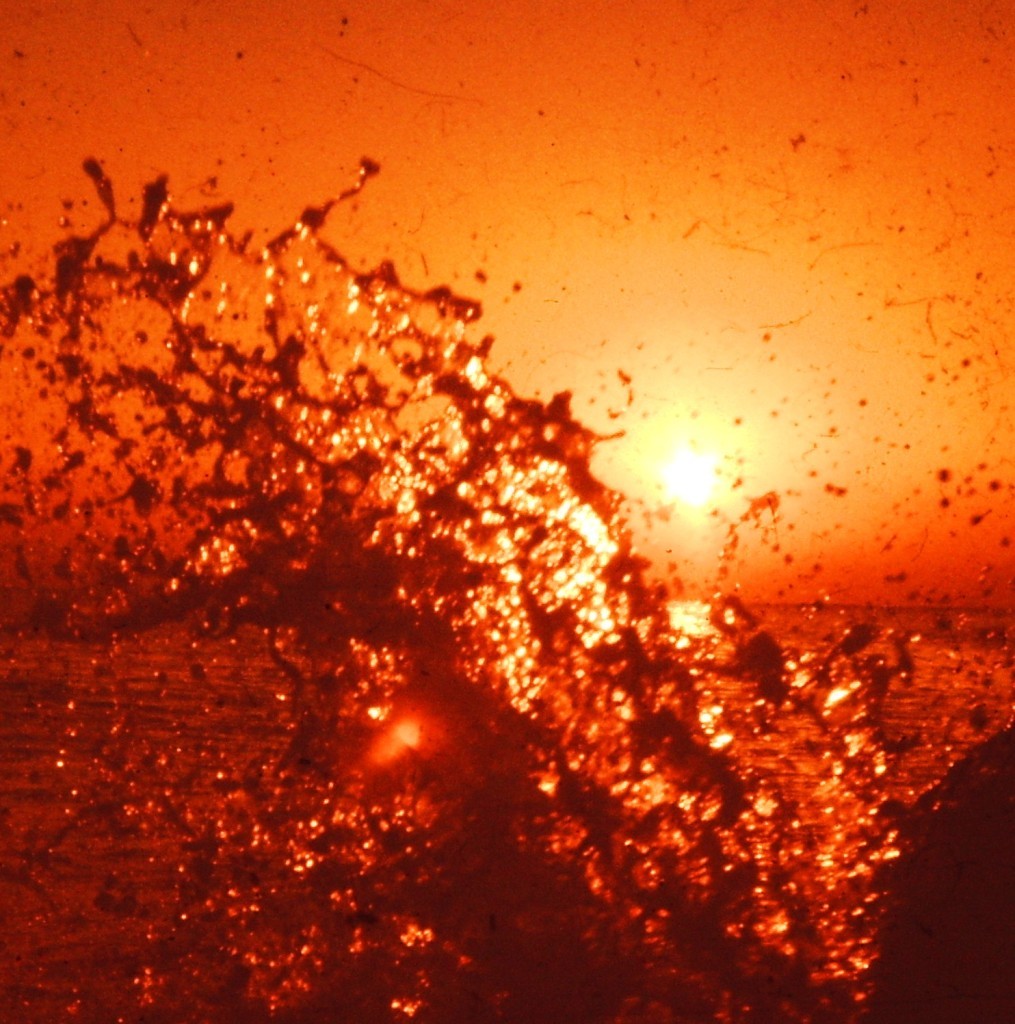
(776, 234)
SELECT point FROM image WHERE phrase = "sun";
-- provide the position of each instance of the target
(690, 476)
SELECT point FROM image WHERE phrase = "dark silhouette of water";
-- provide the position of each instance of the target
(342, 694)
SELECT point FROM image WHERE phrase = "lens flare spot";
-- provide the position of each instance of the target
(404, 734)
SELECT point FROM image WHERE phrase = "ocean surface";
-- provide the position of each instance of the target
(120, 759)
(333, 689)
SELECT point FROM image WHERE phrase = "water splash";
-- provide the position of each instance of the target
(505, 784)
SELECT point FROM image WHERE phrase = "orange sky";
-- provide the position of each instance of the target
(790, 225)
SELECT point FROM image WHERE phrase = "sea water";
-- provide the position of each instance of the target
(334, 690)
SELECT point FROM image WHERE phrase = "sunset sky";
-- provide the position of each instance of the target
(771, 240)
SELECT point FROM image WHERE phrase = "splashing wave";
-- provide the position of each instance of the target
(506, 784)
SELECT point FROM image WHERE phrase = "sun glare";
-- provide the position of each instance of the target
(690, 477)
